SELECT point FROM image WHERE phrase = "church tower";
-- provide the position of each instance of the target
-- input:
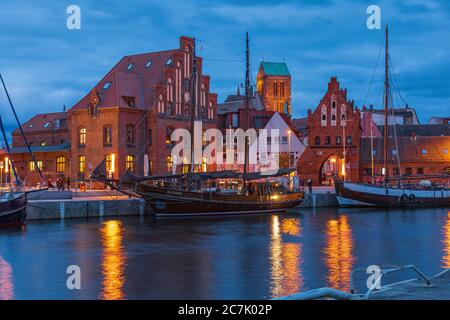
(274, 86)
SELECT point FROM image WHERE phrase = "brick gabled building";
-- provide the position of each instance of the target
(333, 125)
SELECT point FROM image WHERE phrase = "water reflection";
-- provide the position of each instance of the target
(339, 253)
(113, 263)
(446, 242)
(285, 257)
(6, 284)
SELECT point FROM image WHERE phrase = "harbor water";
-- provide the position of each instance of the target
(240, 257)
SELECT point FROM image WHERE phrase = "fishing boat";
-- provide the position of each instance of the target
(392, 191)
(13, 199)
(210, 193)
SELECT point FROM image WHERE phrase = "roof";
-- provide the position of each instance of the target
(233, 103)
(44, 121)
(275, 68)
(132, 81)
(426, 130)
(410, 149)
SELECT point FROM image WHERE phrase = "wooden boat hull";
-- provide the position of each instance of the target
(181, 203)
(361, 195)
(13, 212)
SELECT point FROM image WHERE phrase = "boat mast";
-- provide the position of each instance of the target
(193, 104)
(247, 101)
(386, 107)
(21, 130)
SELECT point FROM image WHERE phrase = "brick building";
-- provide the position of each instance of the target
(274, 86)
(126, 118)
(333, 132)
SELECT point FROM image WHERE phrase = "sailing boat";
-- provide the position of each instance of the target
(359, 195)
(198, 193)
(13, 203)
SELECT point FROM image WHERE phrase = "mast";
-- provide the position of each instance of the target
(193, 104)
(21, 130)
(386, 107)
(247, 100)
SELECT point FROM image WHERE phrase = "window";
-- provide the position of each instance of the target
(269, 140)
(394, 152)
(333, 105)
(317, 140)
(234, 120)
(333, 117)
(81, 136)
(130, 66)
(129, 163)
(420, 170)
(131, 133)
(204, 165)
(396, 171)
(275, 88)
(338, 140)
(408, 171)
(169, 163)
(169, 62)
(107, 85)
(349, 140)
(327, 140)
(108, 163)
(169, 131)
(57, 123)
(324, 117)
(81, 164)
(148, 64)
(46, 125)
(284, 140)
(43, 143)
(60, 164)
(40, 164)
(31, 166)
(424, 151)
(107, 135)
(445, 151)
(282, 88)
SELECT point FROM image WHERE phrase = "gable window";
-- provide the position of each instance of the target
(131, 133)
(81, 164)
(148, 64)
(129, 163)
(169, 62)
(130, 66)
(424, 151)
(60, 164)
(81, 136)
(107, 135)
(107, 85)
(338, 140)
(234, 120)
(317, 140)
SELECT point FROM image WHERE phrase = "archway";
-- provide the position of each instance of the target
(330, 167)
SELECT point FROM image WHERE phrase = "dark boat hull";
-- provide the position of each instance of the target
(181, 203)
(13, 212)
(359, 195)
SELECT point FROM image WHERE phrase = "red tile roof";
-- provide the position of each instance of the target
(42, 122)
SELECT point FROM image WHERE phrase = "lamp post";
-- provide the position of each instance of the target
(289, 146)
(1, 175)
(6, 169)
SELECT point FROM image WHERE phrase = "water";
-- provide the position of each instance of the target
(246, 257)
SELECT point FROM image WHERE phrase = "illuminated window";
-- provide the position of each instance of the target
(204, 167)
(31, 166)
(107, 134)
(81, 164)
(60, 164)
(129, 163)
(81, 136)
(39, 164)
(169, 131)
(43, 143)
(108, 163)
(131, 133)
(169, 162)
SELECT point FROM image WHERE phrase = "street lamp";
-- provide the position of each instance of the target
(1, 175)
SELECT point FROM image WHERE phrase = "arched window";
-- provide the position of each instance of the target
(108, 163)
(317, 140)
(60, 164)
(129, 163)
(131, 133)
(81, 164)
(327, 140)
(349, 140)
(107, 135)
(81, 136)
(333, 105)
(169, 163)
(338, 140)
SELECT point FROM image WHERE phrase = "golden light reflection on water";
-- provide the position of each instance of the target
(339, 253)
(446, 242)
(113, 263)
(6, 283)
(285, 258)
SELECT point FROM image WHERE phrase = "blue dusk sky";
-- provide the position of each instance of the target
(47, 65)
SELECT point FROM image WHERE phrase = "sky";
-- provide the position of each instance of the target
(47, 66)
